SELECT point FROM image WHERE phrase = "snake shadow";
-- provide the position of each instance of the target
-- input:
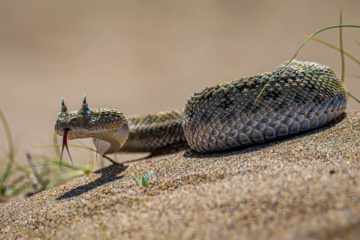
(252, 148)
(108, 174)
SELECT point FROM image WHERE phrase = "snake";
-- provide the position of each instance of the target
(294, 98)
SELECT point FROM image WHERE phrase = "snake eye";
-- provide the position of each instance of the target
(87, 111)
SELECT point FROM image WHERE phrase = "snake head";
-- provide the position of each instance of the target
(89, 123)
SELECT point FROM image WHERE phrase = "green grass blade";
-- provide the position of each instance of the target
(352, 96)
(66, 176)
(12, 191)
(143, 181)
(355, 76)
(299, 49)
(32, 179)
(8, 136)
(33, 168)
(341, 49)
(11, 153)
(70, 145)
(56, 145)
(316, 33)
(334, 47)
(50, 162)
(137, 182)
(148, 175)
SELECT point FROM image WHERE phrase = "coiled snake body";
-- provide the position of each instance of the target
(246, 111)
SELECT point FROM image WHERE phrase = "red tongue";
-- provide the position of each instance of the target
(65, 145)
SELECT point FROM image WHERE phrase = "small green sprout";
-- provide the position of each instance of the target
(144, 179)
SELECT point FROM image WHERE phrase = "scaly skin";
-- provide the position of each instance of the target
(158, 133)
(232, 115)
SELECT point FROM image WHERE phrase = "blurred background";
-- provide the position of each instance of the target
(149, 56)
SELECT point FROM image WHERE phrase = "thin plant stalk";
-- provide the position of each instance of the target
(334, 47)
(341, 49)
(299, 49)
(11, 153)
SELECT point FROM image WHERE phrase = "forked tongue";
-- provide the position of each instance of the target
(65, 145)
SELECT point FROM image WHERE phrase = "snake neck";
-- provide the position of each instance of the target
(156, 133)
(113, 142)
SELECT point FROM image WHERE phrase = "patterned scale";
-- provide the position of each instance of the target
(155, 133)
(302, 96)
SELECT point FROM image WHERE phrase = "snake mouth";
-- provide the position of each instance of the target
(65, 145)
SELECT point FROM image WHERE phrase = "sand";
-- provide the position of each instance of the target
(304, 187)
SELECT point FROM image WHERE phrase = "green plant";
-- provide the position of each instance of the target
(36, 176)
(144, 179)
(340, 49)
(57, 146)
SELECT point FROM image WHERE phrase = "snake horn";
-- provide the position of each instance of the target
(85, 105)
(63, 106)
(84, 101)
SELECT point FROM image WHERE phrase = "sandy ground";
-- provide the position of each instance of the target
(148, 56)
(305, 187)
